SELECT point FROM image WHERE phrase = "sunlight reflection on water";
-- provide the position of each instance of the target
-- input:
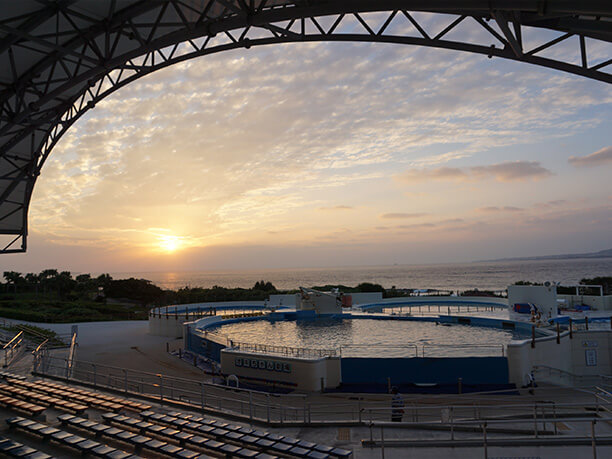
(374, 338)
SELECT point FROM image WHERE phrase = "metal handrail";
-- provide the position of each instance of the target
(73, 345)
(9, 348)
(17, 336)
(40, 347)
(287, 408)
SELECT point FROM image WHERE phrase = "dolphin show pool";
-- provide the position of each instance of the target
(374, 337)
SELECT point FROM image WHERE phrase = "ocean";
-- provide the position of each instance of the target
(481, 275)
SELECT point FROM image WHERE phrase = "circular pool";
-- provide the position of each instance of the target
(374, 338)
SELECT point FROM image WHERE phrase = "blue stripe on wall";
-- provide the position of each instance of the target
(473, 370)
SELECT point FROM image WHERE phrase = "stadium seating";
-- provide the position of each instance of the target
(83, 446)
(40, 399)
(173, 434)
(93, 399)
(22, 406)
(140, 441)
(226, 434)
(13, 448)
(278, 443)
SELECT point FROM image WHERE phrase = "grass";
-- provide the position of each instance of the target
(51, 309)
(37, 334)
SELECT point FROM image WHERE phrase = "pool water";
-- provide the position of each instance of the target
(374, 338)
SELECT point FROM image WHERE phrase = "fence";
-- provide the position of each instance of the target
(423, 309)
(306, 409)
(562, 377)
(287, 351)
(482, 429)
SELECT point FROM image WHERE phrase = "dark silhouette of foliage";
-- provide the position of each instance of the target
(605, 282)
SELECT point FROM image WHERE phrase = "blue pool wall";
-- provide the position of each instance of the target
(425, 370)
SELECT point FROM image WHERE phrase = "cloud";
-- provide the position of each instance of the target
(401, 215)
(440, 174)
(340, 207)
(550, 204)
(230, 147)
(599, 158)
(511, 171)
(496, 209)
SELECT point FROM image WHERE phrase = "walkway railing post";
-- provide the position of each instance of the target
(202, 399)
(484, 439)
(593, 438)
(382, 441)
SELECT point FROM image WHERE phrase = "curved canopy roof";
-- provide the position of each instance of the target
(59, 58)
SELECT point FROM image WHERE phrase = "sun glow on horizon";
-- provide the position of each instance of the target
(169, 243)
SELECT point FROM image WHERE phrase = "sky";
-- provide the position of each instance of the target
(328, 154)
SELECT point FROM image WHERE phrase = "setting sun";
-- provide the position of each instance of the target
(169, 243)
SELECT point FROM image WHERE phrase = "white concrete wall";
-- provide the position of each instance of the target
(284, 300)
(569, 355)
(164, 321)
(334, 372)
(170, 325)
(321, 303)
(598, 343)
(366, 297)
(545, 298)
(307, 374)
(600, 303)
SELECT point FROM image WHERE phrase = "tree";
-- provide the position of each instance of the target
(85, 284)
(64, 283)
(33, 279)
(605, 282)
(264, 286)
(13, 278)
(369, 287)
(140, 290)
(47, 278)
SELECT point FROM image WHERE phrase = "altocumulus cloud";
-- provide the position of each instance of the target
(513, 171)
(340, 207)
(496, 209)
(401, 215)
(599, 158)
(224, 148)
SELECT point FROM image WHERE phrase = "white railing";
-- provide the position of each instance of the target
(547, 373)
(300, 352)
